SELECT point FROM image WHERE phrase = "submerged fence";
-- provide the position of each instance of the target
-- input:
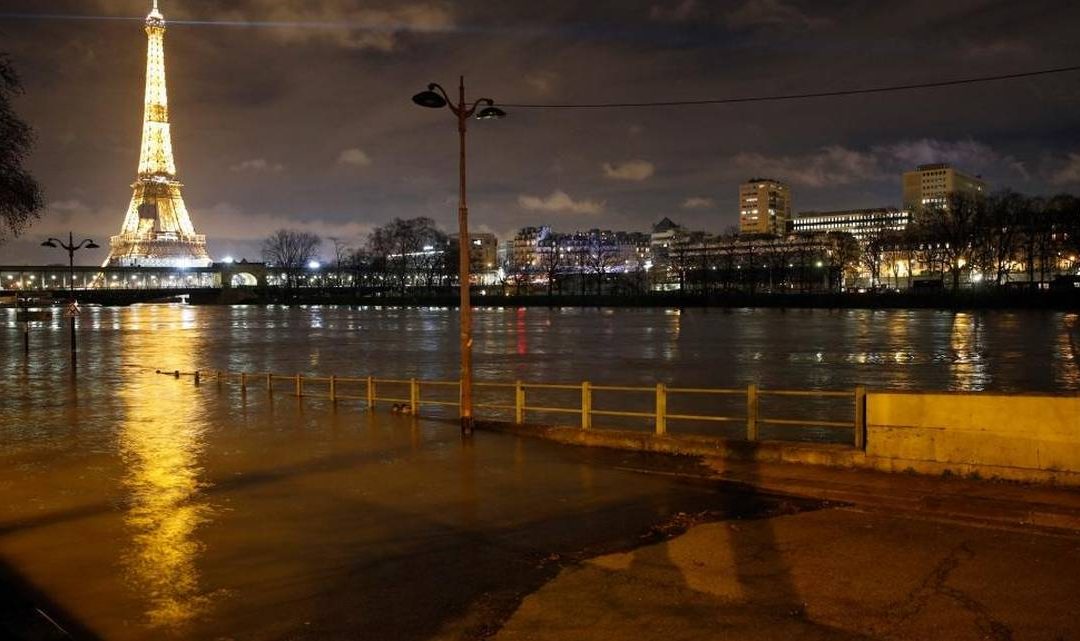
(526, 400)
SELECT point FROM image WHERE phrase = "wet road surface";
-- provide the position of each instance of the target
(207, 515)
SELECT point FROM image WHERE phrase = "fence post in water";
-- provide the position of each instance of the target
(333, 389)
(218, 378)
(243, 383)
(196, 377)
(370, 393)
(661, 409)
(586, 405)
(299, 386)
(270, 383)
(519, 403)
(860, 417)
(751, 412)
(414, 396)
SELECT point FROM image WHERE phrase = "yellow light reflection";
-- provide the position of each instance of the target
(161, 440)
(968, 368)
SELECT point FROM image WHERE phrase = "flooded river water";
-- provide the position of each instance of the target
(137, 506)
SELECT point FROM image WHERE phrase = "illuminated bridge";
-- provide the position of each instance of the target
(131, 284)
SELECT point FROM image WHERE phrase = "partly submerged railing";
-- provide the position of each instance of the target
(522, 398)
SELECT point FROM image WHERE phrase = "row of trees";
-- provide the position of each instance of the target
(991, 241)
(396, 256)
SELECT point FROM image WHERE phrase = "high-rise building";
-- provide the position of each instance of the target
(157, 231)
(764, 206)
(929, 186)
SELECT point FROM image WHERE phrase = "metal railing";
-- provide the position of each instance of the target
(409, 395)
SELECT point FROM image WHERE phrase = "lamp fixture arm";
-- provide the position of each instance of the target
(434, 86)
(482, 101)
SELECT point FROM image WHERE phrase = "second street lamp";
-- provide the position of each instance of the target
(71, 248)
(436, 98)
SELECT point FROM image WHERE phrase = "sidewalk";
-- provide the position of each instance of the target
(1002, 503)
(891, 557)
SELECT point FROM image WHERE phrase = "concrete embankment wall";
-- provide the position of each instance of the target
(1019, 438)
(1029, 438)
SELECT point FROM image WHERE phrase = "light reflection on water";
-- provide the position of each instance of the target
(160, 441)
(160, 457)
(881, 349)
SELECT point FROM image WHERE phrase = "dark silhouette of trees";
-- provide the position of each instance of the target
(21, 198)
(291, 251)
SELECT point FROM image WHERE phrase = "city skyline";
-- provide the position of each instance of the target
(339, 150)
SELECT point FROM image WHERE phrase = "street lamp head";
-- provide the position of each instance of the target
(490, 113)
(49, 243)
(92, 245)
(429, 99)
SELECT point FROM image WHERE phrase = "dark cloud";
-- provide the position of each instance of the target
(276, 110)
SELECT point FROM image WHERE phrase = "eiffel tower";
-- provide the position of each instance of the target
(157, 230)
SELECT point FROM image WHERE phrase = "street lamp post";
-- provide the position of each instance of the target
(71, 248)
(436, 98)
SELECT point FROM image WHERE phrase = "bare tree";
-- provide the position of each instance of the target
(681, 261)
(600, 258)
(873, 256)
(342, 253)
(552, 263)
(290, 250)
(21, 198)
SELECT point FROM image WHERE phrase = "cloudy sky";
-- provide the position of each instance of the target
(297, 113)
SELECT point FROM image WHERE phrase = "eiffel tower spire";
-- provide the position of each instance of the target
(157, 231)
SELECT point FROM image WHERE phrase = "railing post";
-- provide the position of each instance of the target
(661, 409)
(270, 383)
(218, 373)
(196, 377)
(370, 393)
(751, 412)
(414, 396)
(243, 382)
(586, 405)
(333, 389)
(860, 417)
(299, 386)
(519, 403)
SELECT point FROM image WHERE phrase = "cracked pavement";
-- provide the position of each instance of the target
(835, 573)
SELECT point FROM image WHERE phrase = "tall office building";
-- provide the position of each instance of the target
(764, 206)
(929, 186)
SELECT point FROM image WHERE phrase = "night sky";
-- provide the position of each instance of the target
(305, 120)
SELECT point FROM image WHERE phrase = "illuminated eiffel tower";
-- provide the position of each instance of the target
(157, 230)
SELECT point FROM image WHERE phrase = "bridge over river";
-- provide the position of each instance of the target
(125, 285)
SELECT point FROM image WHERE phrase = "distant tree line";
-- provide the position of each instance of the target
(395, 257)
(986, 241)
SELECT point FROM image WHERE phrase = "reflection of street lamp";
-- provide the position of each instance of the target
(71, 248)
(436, 98)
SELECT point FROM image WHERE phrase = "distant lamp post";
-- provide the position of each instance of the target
(71, 248)
(436, 98)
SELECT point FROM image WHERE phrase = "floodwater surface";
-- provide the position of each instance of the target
(139, 506)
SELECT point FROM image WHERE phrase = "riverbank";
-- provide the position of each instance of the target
(966, 300)
(1060, 300)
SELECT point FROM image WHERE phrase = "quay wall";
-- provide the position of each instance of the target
(1019, 437)
(1026, 438)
